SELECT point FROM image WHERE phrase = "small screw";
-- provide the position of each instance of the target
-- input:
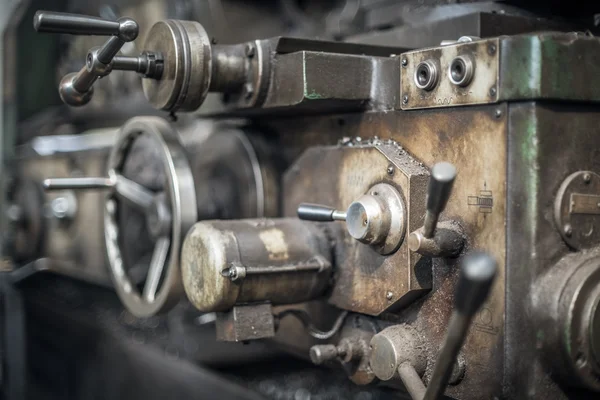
(404, 62)
(248, 90)
(493, 91)
(405, 99)
(491, 49)
(249, 50)
(498, 113)
(587, 178)
(390, 170)
(568, 230)
(389, 295)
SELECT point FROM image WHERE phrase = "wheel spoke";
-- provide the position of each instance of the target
(157, 264)
(133, 192)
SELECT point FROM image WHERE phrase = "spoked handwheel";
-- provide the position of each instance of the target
(169, 213)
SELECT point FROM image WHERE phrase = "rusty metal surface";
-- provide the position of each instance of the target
(366, 281)
(484, 55)
(474, 139)
(245, 322)
(576, 207)
(541, 157)
(212, 247)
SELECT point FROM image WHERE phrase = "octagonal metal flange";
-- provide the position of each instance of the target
(577, 210)
(366, 281)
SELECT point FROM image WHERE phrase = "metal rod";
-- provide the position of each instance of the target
(78, 183)
(457, 332)
(127, 63)
(429, 225)
(84, 80)
(413, 383)
(110, 49)
(74, 24)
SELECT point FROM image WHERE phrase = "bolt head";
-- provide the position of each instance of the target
(390, 170)
(587, 177)
(498, 113)
(568, 230)
(493, 91)
(250, 50)
(405, 99)
(389, 295)
(404, 62)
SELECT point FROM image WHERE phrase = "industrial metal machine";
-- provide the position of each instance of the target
(420, 213)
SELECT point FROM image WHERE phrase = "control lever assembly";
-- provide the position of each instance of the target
(397, 350)
(77, 88)
(180, 67)
(377, 218)
(445, 239)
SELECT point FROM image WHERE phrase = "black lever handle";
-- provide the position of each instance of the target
(439, 190)
(318, 212)
(125, 29)
(477, 274)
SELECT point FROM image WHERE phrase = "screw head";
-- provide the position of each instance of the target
(498, 113)
(389, 295)
(491, 49)
(250, 50)
(390, 170)
(404, 62)
(248, 91)
(568, 230)
(405, 99)
(493, 91)
(587, 178)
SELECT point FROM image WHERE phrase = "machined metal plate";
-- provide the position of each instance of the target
(482, 89)
(368, 282)
(577, 209)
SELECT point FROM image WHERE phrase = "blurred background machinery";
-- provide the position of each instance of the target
(295, 199)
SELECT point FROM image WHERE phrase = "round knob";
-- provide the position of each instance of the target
(394, 346)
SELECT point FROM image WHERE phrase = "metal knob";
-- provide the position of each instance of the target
(377, 218)
(318, 212)
(76, 89)
(477, 274)
(438, 193)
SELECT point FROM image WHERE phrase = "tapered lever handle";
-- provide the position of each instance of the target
(55, 22)
(318, 212)
(477, 274)
(438, 192)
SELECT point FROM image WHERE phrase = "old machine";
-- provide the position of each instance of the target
(410, 202)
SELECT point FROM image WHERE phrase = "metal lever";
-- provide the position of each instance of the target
(78, 183)
(76, 89)
(318, 212)
(476, 277)
(447, 238)
(438, 193)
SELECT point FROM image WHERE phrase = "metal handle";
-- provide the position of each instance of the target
(78, 183)
(125, 29)
(438, 193)
(318, 212)
(476, 277)
(76, 89)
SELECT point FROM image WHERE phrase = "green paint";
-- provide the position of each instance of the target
(529, 152)
(313, 95)
(540, 336)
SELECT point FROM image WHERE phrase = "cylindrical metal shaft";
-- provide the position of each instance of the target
(412, 382)
(224, 263)
(78, 183)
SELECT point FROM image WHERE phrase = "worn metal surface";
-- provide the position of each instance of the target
(482, 88)
(361, 269)
(564, 301)
(245, 322)
(576, 206)
(474, 140)
(541, 156)
(212, 247)
(550, 66)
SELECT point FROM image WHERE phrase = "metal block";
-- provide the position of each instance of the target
(246, 322)
(481, 89)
